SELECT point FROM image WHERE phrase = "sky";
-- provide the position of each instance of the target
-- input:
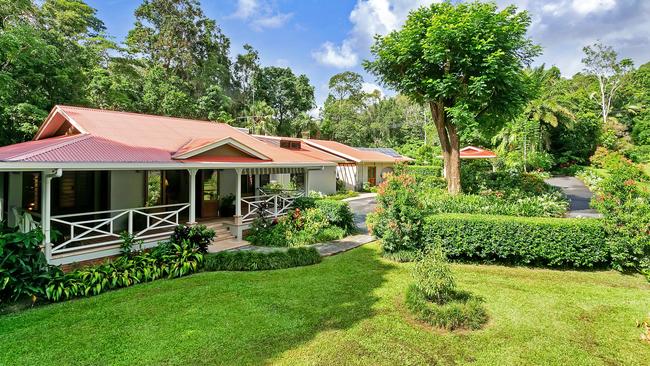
(320, 38)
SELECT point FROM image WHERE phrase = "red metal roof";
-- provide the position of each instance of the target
(114, 137)
(305, 149)
(158, 133)
(81, 148)
(350, 152)
(473, 152)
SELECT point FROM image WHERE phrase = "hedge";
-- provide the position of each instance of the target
(433, 170)
(246, 260)
(552, 242)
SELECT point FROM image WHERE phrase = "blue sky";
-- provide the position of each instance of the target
(322, 37)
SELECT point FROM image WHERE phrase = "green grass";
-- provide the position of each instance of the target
(349, 309)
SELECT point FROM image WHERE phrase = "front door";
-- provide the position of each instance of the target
(209, 185)
(372, 175)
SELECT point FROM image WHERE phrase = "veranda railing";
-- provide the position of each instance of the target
(96, 229)
(268, 205)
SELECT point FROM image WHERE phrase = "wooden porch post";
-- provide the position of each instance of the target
(192, 215)
(238, 218)
(46, 209)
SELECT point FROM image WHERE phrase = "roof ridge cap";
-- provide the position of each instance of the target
(67, 141)
(141, 114)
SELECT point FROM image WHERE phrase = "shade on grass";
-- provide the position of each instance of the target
(347, 310)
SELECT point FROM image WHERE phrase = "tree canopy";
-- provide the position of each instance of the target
(465, 61)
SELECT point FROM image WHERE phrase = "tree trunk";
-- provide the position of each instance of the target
(449, 144)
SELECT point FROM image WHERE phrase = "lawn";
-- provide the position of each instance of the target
(347, 310)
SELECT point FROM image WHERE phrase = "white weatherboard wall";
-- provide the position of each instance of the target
(323, 181)
(227, 182)
(348, 174)
(127, 191)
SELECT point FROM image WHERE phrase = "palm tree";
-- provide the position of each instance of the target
(530, 132)
(260, 119)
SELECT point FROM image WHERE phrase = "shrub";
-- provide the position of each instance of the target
(300, 228)
(432, 276)
(623, 199)
(197, 235)
(303, 203)
(245, 260)
(338, 213)
(398, 216)
(433, 296)
(464, 312)
(342, 194)
(23, 268)
(494, 203)
(519, 240)
(639, 154)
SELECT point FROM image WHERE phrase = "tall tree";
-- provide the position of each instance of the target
(245, 68)
(465, 61)
(176, 35)
(288, 95)
(47, 52)
(602, 61)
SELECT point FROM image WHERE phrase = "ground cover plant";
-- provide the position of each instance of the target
(349, 309)
(25, 273)
(312, 221)
(245, 260)
(434, 298)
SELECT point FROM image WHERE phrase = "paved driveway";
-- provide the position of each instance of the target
(577, 193)
(362, 206)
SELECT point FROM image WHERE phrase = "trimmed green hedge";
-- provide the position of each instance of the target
(433, 170)
(553, 242)
(245, 260)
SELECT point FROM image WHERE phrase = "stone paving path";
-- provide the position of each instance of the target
(361, 206)
(578, 194)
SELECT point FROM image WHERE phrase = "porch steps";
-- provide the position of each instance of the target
(221, 231)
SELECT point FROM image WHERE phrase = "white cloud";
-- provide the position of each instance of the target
(584, 7)
(260, 14)
(368, 18)
(273, 21)
(331, 55)
(370, 87)
(245, 8)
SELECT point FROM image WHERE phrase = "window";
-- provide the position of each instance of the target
(247, 184)
(154, 188)
(298, 180)
(210, 185)
(31, 191)
(265, 179)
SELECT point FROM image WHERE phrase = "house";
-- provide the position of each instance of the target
(89, 175)
(473, 152)
(360, 165)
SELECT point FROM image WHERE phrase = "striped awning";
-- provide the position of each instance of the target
(272, 170)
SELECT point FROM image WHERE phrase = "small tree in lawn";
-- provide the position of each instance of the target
(466, 62)
(602, 62)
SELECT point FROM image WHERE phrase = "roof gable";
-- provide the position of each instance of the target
(196, 147)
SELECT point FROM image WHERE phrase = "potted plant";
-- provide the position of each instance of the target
(227, 206)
